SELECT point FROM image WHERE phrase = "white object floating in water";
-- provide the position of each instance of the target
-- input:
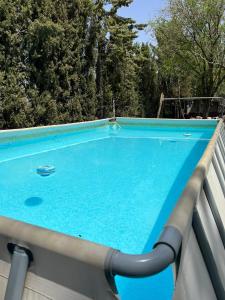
(187, 134)
(45, 170)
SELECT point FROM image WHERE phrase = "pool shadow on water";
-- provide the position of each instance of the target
(33, 201)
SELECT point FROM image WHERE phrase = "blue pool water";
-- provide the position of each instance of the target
(114, 185)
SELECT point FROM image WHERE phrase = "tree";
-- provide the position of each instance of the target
(121, 66)
(147, 74)
(67, 61)
(191, 40)
(15, 106)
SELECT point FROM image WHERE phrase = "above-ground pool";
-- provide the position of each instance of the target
(113, 183)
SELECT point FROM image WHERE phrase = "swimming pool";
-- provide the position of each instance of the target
(114, 183)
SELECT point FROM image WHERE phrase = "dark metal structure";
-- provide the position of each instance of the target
(185, 107)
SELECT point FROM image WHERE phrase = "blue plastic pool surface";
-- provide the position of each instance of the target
(114, 185)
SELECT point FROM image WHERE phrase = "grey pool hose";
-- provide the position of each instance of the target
(17, 275)
(164, 253)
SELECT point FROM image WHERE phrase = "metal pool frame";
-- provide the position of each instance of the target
(36, 263)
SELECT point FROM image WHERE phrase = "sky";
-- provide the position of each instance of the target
(143, 11)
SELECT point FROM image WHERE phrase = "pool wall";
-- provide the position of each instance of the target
(64, 267)
(34, 132)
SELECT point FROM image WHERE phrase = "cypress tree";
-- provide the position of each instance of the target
(67, 61)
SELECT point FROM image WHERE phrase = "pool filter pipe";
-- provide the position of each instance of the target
(17, 275)
(164, 253)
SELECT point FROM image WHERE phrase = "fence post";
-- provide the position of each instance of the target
(160, 105)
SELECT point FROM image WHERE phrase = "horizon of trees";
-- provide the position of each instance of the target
(68, 61)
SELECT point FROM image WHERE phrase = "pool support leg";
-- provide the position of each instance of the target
(17, 275)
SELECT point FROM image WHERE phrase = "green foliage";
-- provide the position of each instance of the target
(148, 80)
(15, 106)
(191, 47)
(66, 61)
